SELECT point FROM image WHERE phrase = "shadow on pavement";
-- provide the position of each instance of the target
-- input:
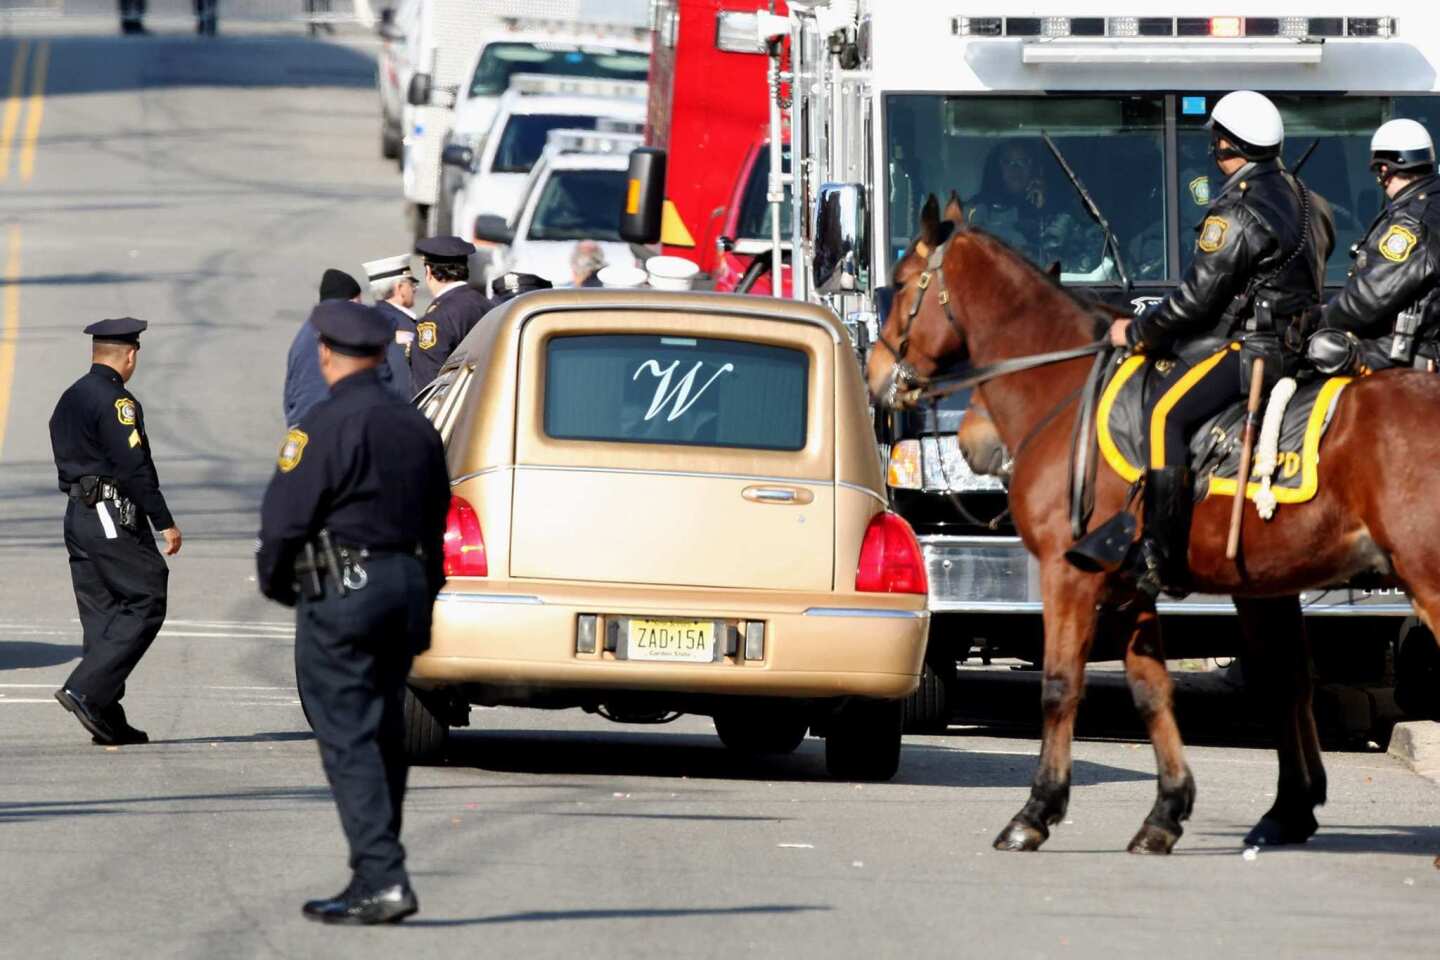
(25, 654)
(143, 806)
(543, 916)
(278, 737)
(683, 755)
(107, 64)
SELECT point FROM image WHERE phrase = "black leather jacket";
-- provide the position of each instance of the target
(1396, 265)
(1254, 244)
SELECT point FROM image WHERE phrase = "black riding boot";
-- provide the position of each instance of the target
(1164, 548)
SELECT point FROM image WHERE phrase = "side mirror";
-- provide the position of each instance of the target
(724, 245)
(641, 217)
(842, 260)
(457, 155)
(493, 229)
(419, 93)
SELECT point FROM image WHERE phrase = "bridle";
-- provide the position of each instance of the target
(904, 377)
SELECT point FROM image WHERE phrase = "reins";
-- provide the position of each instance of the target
(936, 387)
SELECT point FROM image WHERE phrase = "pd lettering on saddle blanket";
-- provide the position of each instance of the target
(1290, 476)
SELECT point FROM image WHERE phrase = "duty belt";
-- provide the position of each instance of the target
(92, 489)
(344, 562)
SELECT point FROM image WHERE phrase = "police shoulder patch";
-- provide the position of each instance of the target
(125, 411)
(1212, 234)
(426, 334)
(1397, 243)
(1200, 191)
(292, 450)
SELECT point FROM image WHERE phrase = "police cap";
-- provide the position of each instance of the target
(445, 250)
(385, 269)
(351, 328)
(118, 330)
(512, 285)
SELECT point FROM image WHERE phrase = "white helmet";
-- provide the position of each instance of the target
(1249, 121)
(1402, 145)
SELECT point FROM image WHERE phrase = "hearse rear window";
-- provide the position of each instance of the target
(679, 390)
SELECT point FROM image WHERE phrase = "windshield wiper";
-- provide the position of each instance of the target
(1090, 207)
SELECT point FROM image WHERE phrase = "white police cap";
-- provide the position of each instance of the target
(620, 276)
(388, 267)
(671, 273)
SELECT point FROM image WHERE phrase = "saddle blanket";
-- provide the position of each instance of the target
(1215, 447)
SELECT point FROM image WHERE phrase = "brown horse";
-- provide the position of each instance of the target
(1369, 517)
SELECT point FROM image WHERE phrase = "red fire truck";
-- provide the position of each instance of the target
(708, 111)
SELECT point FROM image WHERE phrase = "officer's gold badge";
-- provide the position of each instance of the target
(425, 335)
(1212, 234)
(1397, 243)
(125, 411)
(292, 450)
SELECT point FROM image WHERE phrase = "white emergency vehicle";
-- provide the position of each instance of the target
(398, 28)
(495, 176)
(572, 194)
(451, 68)
(890, 100)
(596, 51)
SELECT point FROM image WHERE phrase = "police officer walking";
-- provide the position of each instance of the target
(102, 456)
(1259, 264)
(351, 534)
(1392, 300)
(454, 310)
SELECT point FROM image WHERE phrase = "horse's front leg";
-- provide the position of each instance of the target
(1070, 599)
(1152, 690)
(1277, 670)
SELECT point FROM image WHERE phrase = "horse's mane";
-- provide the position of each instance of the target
(1091, 308)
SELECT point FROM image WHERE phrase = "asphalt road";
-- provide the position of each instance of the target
(204, 187)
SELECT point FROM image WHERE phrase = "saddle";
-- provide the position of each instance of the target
(1122, 429)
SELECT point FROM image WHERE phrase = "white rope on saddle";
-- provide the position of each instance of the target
(1267, 456)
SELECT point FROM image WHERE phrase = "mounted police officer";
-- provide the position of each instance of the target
(351, 534)
(1388, 315)
(102, 456)
(1259, 263)
(454, 310)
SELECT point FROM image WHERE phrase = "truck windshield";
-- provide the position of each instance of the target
(501, 60)
(754, 221)
(1144, 159)
(523, 139)
(580, 205)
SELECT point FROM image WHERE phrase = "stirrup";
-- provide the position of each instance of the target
(1104, 549)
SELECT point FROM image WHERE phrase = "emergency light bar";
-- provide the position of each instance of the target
(573, 29)
(1214, 28)
(539, 84)
(591, 141)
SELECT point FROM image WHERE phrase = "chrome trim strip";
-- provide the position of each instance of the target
(480, 473)
(673, 473)
(646, 305)
(451, 596)
(865, 490)
(867, 613)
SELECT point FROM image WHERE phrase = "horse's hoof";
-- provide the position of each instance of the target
(1274, 832)
(1020, 837)
(1153, 839)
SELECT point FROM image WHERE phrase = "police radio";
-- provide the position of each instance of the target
(1407, 324)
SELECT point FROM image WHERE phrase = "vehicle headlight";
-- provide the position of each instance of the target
(936, 463)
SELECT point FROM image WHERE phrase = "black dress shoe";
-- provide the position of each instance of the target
(92, 719)
(351, 906)
(124, 733)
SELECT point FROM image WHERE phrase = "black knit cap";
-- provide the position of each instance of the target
(338, 285)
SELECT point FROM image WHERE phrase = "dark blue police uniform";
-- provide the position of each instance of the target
(103, 462)
(351, 534)
(451, 315)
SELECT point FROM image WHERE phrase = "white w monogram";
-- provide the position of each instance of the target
(680, 396)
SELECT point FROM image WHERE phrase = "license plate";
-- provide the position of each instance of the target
(691, 641)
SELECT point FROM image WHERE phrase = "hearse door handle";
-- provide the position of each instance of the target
(792, 496)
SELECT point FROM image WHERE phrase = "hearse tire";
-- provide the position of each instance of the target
(1417, 675)
(927, 710)
(761, 732)
(425, 728)
(862, 740)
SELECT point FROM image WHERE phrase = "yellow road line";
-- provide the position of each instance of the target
(36, 111)
(9, 328)
(12, 106)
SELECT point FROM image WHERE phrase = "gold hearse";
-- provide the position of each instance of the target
(670, 502)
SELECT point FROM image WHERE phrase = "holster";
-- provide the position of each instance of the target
(1263, 341)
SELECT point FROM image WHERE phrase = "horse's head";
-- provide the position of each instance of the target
(920, 334)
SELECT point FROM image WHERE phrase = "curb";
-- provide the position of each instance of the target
(1417, 743)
